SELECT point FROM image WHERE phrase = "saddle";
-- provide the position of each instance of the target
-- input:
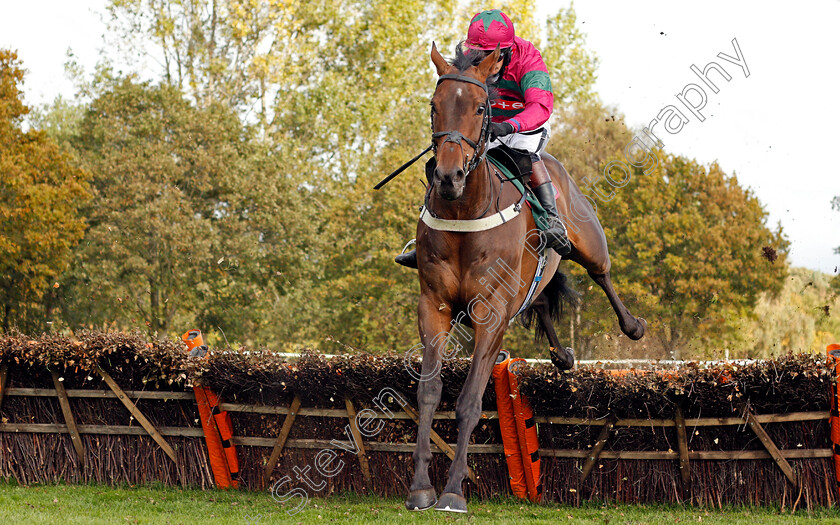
(517, 162)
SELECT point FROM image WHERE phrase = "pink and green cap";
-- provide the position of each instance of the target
(489, 29)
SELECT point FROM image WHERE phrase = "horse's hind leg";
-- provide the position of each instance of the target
(589, 245)
(633, 327)
(562, 357)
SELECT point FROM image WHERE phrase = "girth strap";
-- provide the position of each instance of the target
(538, 275)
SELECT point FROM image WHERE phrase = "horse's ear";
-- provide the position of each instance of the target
(486, 65)
(440, 63)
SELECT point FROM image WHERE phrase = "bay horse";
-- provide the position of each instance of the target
(484, 273)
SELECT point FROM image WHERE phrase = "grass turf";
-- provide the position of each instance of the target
(95, 504)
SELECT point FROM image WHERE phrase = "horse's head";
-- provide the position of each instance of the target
(460, 118)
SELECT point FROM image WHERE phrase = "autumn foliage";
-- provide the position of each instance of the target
(41, 191)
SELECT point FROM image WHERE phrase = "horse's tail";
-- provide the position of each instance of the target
(556, 293)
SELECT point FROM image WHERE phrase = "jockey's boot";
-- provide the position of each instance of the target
(407, 259)
(555, 234)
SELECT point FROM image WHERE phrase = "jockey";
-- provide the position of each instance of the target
(520, 113)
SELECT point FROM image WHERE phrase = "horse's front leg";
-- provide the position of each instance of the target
(432, 322)
(488, 341)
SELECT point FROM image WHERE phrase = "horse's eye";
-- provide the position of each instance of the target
(480, 110)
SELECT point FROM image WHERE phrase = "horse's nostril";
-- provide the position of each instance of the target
(450, 176)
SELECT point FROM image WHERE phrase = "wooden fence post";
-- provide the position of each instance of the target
(132, 408)
(357, 435)
(682, 442)
(439, 441)
(4, 375)
(281, 438)
(771, 447)
(64, 401)
(596, 450)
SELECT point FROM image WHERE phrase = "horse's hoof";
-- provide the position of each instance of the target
(452, 503)
(639, 332)
(422, 499)
(563, 358)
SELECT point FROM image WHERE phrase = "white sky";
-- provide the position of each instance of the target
(774, 129)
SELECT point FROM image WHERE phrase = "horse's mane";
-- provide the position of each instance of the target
(465, 59)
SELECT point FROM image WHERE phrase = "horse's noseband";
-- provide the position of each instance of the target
(457, 137)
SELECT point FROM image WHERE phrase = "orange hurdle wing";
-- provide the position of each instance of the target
(507, 425)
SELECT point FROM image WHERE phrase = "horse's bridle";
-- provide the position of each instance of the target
(457, 137)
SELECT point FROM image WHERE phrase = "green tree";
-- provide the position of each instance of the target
(371, 114)
(572, 66)
(183, 227)
(60, 119)
(688, 249)
(40, 194)
(347, 88)
(226, 51)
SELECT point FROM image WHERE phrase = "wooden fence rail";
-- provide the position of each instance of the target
(489, 414)
(437, 447)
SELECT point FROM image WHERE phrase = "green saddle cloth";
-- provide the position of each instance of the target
(539, 213)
